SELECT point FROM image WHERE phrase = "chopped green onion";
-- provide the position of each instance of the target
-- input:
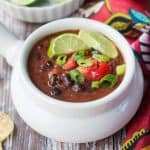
(120, 69)
(94, 52)
(101, 58)
(78, 55)
(61, 60)
(108, 81)
(84, 62)
(95, 84)
(76, 76)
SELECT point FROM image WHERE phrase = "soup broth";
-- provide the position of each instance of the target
(74, 82)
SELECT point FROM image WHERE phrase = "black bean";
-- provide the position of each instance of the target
(53, 80)
(49, 84)
(83, 86)
(66, 80)
(86, 84)
(76, 88)
(46, 66)
(43, 68)
(55, 91)
(49, 64)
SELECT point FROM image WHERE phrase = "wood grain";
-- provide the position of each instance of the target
(24, 138)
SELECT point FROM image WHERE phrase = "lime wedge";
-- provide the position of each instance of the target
(65, 44)
(24, 2)
(99, 42)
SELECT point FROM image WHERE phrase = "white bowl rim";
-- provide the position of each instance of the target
(50, 100)
(35, 7)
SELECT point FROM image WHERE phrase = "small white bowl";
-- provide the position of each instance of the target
(66, 121)
(41, 14)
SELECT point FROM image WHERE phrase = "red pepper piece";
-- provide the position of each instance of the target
(95, 72)
(70, 64)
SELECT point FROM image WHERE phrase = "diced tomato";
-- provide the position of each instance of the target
(70, 64)
(95, 72)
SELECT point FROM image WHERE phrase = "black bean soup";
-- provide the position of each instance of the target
(73, 77)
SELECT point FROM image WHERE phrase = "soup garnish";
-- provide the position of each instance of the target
(75, 69)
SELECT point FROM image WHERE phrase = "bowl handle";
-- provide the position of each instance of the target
(9, 46)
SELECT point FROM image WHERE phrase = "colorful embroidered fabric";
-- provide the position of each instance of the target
(132, 19)
(117, 13)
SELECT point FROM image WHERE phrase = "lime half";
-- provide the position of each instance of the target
(24, 2)
(65, 44)
(99, 42)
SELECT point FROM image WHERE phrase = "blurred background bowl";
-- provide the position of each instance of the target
(41, 14)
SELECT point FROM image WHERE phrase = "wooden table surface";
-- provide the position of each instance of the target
(24, 138)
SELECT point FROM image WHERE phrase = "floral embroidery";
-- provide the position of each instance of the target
(130, 143)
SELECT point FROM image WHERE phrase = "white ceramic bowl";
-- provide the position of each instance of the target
(65, 121)
(41, 14)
